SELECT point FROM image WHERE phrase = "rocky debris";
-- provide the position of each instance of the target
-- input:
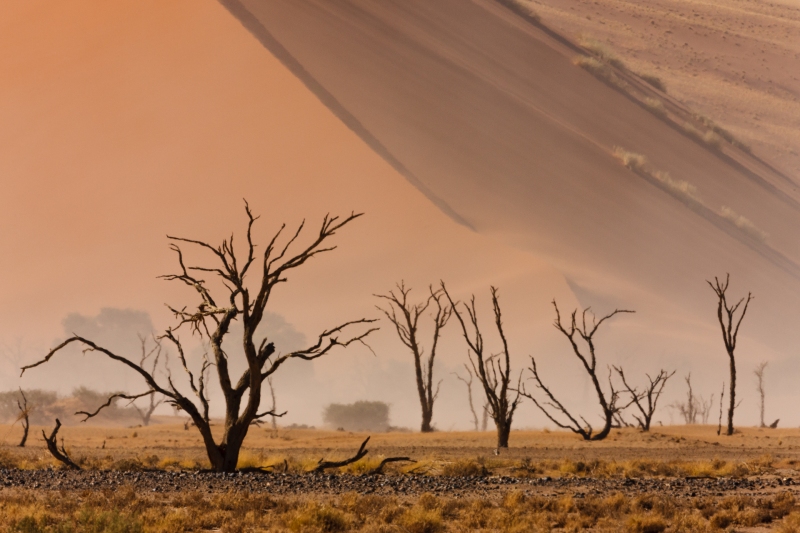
(401, 485)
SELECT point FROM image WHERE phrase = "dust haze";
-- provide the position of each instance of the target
(481, 161)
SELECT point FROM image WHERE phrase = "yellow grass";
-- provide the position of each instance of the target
(126, 511)
(665, 451)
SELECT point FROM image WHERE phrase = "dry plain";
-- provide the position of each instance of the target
(676, 478)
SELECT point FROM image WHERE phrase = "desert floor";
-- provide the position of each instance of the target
(676, 478)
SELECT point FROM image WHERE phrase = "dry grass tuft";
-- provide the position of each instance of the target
(600, 70)
(645, 523)
(708, 137)
(655, 106)
(631, 160)
(743, 223)
(601, 51)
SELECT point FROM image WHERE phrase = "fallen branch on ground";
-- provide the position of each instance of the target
(52, 445)
(324, 465)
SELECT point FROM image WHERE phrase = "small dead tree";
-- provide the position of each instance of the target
(211, 321)
(553, 409)
(468, 383)
(695, 407)
(274, 407)
(646, 400)
(759, 372)
(154, 354)
(493, 372)
(23, 417)
(726, 314)
(407, 327)
(59, 453)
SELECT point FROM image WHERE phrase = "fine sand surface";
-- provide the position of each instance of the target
(175, 446)
(733, 60)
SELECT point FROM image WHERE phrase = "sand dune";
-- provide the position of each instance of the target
(490, 114)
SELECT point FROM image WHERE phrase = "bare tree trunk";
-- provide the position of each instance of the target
(721, 399)
(407, 327)
(493, 372)
(759, 372)
(274, 408)
(24, 418)
(726, 314)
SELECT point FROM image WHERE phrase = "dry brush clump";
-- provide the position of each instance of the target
(128, 511)
(524, 8)
(601, 70)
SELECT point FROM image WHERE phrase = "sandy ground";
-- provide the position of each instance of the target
(170, 441)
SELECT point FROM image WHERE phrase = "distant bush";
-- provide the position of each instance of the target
(709, 137)
(358, 416)
(600, 70)
(41, 404)
(631, 160)
(602, 51)
(683, 190)
(45, 406)
(655, 106)
(720, 131)
(523, 8)
(655, 81)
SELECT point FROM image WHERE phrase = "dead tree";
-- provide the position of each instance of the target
(695, 406)
(407, 327)
(274, 407)
(154, 354)
(721, 398)
(468, 383)
(759, 372)
(555, 410)
(211, 320)
(726, 314)
(493, 372)
(59, 453)
(646, 400)
(23, 417)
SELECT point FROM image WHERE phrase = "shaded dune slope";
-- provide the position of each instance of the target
(488, 115)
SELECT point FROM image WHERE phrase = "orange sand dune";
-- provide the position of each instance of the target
(486, 113)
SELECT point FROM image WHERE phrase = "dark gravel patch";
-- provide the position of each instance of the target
(401, 485)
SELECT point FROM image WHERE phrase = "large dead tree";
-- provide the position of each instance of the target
(553, 409)
(211, 320)
(150, 357)
(729, 323)
(759, 372)
(493, 372)
(647, 400)
(404, 316)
